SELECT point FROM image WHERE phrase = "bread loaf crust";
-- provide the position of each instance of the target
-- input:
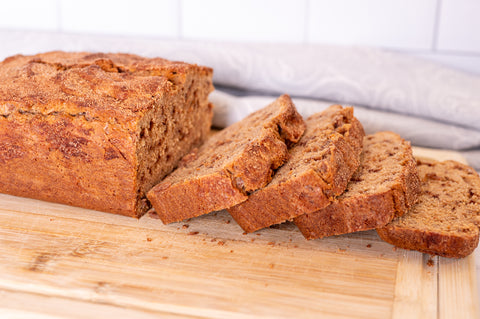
(319, 168)
(97, 130)
(379, 200)
(237, 160)
(431, 242)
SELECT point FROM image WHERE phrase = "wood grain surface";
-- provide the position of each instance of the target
(58, 261)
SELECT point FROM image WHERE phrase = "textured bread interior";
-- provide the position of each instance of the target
(382, 165)
(315, 150)
(168, 130)
(318, 169)
(259, 133)
(384, 186)
(449, 202)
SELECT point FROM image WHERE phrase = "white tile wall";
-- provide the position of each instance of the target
(459, 25)
(244, 20)
(405, 24)
(139, 17)
(29, 14)
(446, 31)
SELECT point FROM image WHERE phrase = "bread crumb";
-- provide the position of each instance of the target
(252, 240)
(295, 246)
(213, 240)
(341, 250)
(394, 248)
(244, 233)
(221, 243)
(272, 265)
(369, 246)
(185, 226)
(164, 257)
(149, 239)
(231, 251)
(193, 233)
(258, 234)
(51, 219)
(227, 222)
(430, 262)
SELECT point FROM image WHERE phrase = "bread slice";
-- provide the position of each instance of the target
(319, 169)
(446, 218)
(385, 185)
(237, 160)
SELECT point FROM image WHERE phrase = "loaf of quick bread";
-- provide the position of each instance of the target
(97, 130)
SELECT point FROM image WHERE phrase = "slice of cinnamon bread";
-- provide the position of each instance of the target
(385, 185)
(319, 168)
(235, 161)
(445, 221)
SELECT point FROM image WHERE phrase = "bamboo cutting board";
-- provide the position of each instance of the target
(58, 261)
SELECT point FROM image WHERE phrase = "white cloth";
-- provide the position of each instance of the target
(426, 103)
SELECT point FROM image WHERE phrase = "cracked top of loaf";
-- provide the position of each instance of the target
(95, 85)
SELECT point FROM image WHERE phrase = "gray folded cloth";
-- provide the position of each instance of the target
(422, 132)
(431, 105)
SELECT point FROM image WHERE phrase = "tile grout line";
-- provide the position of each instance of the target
(436, 25)
(59, 16)
(180, 20)
(306, 22)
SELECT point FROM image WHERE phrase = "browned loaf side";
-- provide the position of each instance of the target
(385, 185)
(319, 168)
(446, 218)
(97, 130)
(234, 162)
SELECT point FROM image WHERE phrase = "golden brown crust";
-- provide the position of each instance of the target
(431, 242)
(97, 130)
(232, 163)
(385, 185)
(319, 168)
(446, 218)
